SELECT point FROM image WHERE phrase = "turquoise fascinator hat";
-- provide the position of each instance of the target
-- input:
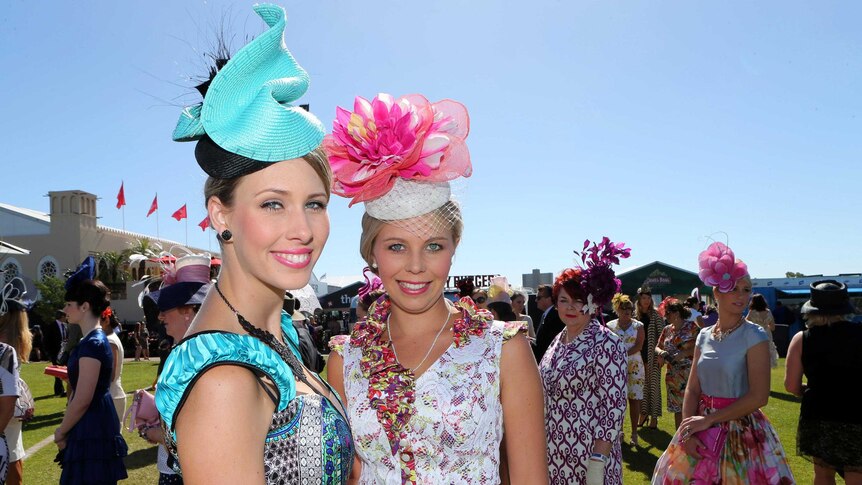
(247, 120)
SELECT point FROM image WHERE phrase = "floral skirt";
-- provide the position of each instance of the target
(676, 379)
(752, 454)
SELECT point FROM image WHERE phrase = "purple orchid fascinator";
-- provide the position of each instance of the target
(372, 287)
(599, 281)
(720, 268)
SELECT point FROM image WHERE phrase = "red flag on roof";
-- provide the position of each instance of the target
(154, 206)
(180, 214)
(204, 224)
(121, 197)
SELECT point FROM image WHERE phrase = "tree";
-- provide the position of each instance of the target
(111, 267)
(791, 274)
(140, 251)
(52, 293)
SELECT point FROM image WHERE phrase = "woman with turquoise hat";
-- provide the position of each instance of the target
(237, 404)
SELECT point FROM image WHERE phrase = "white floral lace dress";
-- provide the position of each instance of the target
(455, 426)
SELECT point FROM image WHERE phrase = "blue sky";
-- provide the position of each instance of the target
(654, 123)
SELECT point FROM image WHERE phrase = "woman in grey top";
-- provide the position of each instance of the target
(724, 437)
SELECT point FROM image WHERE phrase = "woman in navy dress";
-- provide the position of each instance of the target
(92, 448)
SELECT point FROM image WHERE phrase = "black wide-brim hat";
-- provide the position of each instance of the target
(828, 297)
(180, 294)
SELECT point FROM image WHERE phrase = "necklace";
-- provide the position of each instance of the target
(436, 338)
(270, 340)
(719, 335)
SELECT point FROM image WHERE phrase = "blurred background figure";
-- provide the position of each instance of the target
(108, 323)
(519, 306)
(631, 332)
(15, 333)
(502, 311)
(828, 354)
(653, 325)
(54, 341)
(758, 312)
(675, 348)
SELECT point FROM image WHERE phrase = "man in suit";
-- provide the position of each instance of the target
(549, 325)
(55, 340)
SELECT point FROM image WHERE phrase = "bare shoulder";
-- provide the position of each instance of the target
(226, 401)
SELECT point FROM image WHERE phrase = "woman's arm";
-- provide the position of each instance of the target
(221, 428)
(335, 374)
(757, 360)
(523, 413)
(793, 372)
(116, 352)
(639, 343)
(691, 398)
(770, 321)
(7, 409)
(88, 375)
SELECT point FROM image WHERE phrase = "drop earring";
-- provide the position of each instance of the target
(225, 235)
(374, 265)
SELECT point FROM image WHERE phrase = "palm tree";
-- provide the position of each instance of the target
(111, 267)
(140, 251)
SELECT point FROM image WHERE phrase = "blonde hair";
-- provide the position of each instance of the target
(372, 226)
(821, 320)
(15, 331)
(620, 300)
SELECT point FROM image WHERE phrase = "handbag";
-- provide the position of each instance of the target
(143, 412)
(713, 441)
(25, 406)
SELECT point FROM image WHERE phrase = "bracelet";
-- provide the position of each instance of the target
(599, 457)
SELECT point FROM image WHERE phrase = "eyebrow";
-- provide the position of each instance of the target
(287, 192)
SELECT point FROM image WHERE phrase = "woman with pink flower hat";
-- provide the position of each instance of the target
(429, 385)
(724, 437)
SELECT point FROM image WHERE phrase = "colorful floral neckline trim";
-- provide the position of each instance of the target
(391, 386)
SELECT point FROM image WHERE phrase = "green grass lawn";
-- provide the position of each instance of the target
(782, 410)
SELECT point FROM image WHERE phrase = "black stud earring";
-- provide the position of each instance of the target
(226, 235)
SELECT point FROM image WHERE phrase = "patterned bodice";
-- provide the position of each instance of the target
(454, 433)
(308, 441)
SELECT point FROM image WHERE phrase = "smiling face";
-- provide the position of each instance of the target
(279, 223)
(571, 310)
(735, 301)
(413, 268)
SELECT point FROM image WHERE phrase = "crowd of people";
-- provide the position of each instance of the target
(422, 389)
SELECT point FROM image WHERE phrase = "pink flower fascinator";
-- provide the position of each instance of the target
(720, 268)
(406, 149)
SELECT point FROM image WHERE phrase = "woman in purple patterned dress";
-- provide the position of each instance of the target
(584, 378)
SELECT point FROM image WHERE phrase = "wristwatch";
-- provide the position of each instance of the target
(599, 457)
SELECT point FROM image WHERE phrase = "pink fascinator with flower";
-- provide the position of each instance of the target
(398, 155)
(720, 268)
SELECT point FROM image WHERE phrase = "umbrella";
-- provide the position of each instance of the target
(6, 248)
(307, 298)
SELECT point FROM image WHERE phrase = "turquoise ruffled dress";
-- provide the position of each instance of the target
(308, 440)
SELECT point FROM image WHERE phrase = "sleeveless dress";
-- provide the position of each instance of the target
(444, 427)
(636, 374)
(308, 440)
(585, 400)
(830, 425)
(653, 323)
(751, 452)
(94, 446)
(676, 378)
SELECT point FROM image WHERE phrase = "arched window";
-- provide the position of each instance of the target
(48, 268)
(11, 268)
